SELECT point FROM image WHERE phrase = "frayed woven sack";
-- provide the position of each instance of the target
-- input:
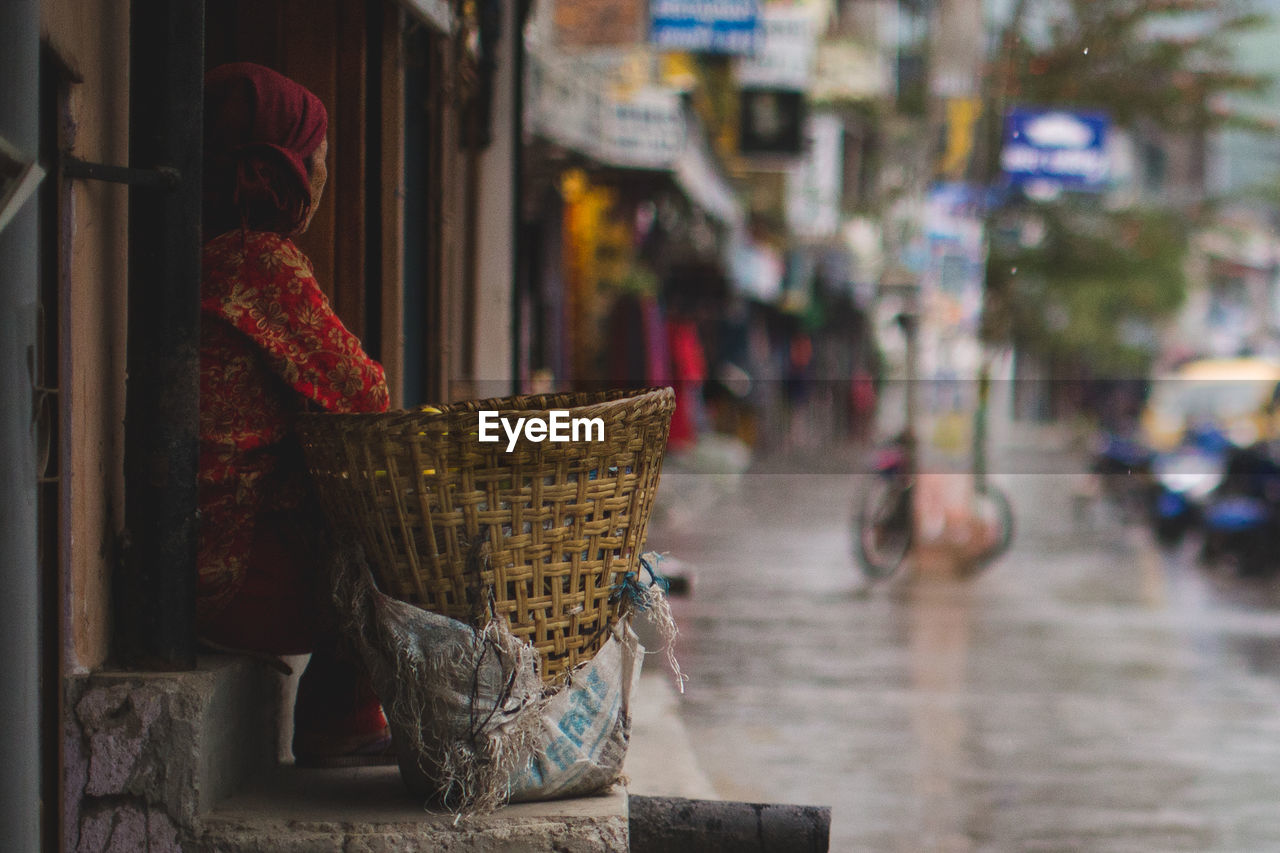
(585, 725)
(473, 723)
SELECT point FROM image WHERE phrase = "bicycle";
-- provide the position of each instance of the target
(884, 523)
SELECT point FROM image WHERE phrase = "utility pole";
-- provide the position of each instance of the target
(986, 162)
(902, 283)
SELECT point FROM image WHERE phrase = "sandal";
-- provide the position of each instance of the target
(367, 750)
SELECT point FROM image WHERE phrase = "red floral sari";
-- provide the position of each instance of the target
(270, 348)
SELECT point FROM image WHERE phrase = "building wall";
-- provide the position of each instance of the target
(92, 38)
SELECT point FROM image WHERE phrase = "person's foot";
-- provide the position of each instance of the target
(337, 716)
(336, 747)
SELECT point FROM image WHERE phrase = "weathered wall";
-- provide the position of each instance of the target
(147, 755)
(92, 37)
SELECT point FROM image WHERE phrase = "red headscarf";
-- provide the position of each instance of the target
(256, 116)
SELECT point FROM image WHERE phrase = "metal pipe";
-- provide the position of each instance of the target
(156, 608)
(74, 167)
(677, 825)
(20, 770)
(980, 427)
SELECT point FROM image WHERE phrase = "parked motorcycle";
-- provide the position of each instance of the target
(1183, 479)
(1241, 519)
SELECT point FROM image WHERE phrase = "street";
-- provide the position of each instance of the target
(1086, 692)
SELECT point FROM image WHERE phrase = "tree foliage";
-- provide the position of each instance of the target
(1091, 289)
(1093, 286)
(1164, 61)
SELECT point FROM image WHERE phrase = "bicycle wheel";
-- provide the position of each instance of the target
(883, 527)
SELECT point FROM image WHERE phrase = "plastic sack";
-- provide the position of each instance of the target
(586, 725)
(473, 724)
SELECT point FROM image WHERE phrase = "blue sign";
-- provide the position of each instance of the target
(705, 26)
(1057, 147)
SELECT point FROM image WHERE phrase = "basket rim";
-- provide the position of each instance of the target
(439, 490)
(582, 401)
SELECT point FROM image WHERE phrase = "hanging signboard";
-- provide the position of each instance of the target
(784, 59)
(814, 184)
(954, 275)
(1067, 149)
(562, 105)
(849, 71)
(771, 122)
(728, 27)
(646, 129)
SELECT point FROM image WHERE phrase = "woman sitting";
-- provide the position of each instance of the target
(271, 348)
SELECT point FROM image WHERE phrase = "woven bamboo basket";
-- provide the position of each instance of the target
(540, 536)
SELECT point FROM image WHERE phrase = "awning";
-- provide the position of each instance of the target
(648, 127)
(697, 175)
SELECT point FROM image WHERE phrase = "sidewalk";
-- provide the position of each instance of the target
(660, 759)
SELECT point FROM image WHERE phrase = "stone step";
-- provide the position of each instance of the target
(192, 761)
(146, 754)
(297, 809)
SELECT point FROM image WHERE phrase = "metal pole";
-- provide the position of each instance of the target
(156, 612)
(911, 325)
(986, 161)
(20, 771)
(980, 429)
(909, 322)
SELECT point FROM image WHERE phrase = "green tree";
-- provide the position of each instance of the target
(1089, 288)
(1096, 279)
(1163, 61)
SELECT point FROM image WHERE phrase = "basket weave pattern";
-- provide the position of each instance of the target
(538, 536)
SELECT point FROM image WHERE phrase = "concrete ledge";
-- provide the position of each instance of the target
(294, 810)
(186, 762)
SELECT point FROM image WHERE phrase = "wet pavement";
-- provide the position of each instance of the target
(1086, 692)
